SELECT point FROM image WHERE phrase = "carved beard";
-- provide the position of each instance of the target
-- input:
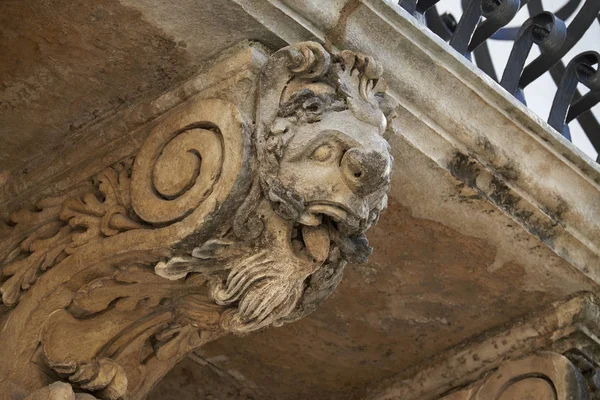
(266, 287)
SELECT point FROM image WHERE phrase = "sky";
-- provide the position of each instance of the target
(540, 93)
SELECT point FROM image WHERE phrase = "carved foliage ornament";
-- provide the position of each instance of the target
(213, 227)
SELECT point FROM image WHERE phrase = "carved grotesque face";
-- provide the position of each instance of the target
(333, 166)
(324, 171)
(340, 166)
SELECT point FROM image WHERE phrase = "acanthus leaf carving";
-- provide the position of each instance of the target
(101, 210)
(215, 226)
(125, 291)
(134, 305)
(102, 214)
(147, 320)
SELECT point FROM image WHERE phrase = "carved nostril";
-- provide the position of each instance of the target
(352, 166)
(364, 173)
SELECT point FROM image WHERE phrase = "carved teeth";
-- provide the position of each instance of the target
(316, 239)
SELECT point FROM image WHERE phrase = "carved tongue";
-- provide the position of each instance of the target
(316, 239)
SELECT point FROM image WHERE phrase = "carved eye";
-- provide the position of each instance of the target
(323, 153)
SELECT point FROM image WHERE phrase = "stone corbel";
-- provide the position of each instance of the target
(543, 376)
(216, 225)
(553, 355)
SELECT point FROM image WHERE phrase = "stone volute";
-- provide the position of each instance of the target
(217, 225)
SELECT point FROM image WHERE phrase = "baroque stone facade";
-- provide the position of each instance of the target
(147, 213)
(217, 225)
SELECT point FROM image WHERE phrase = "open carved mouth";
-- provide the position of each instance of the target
(344, 220)
(326, 226)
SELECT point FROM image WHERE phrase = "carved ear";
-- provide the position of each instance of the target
(191, 163)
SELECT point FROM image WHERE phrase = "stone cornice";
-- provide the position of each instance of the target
(561, 327)
(487, 140)
(239, 210)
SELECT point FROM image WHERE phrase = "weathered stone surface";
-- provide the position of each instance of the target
(468, 125)
(435, 286)
(508, 255)
(556, 344)
(232, 76)
(542, 376)
(192, 236)
(197, 378)
(66, 65)
(490, 217)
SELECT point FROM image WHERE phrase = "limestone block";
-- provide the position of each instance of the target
(216, 225)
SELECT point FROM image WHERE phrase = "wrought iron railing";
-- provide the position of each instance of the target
(482, 20)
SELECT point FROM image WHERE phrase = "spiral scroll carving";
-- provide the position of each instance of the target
(250, 224)
(182, 161)
(547, 375)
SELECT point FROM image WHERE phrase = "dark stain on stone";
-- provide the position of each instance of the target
(494, 155)
(487, 146)
(467, 169)
(508, 172)
(468, 199)
(557, 213)
(501, 195)
(509, 203)
(434, 289)
(66, 64)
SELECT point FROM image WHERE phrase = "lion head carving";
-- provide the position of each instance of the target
(253, 223)
(322, 173)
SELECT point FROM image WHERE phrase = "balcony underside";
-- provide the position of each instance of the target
(492, 215)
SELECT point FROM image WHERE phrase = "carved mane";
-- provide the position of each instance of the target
(194, 236)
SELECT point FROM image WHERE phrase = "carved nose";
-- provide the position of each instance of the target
(365, 173)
